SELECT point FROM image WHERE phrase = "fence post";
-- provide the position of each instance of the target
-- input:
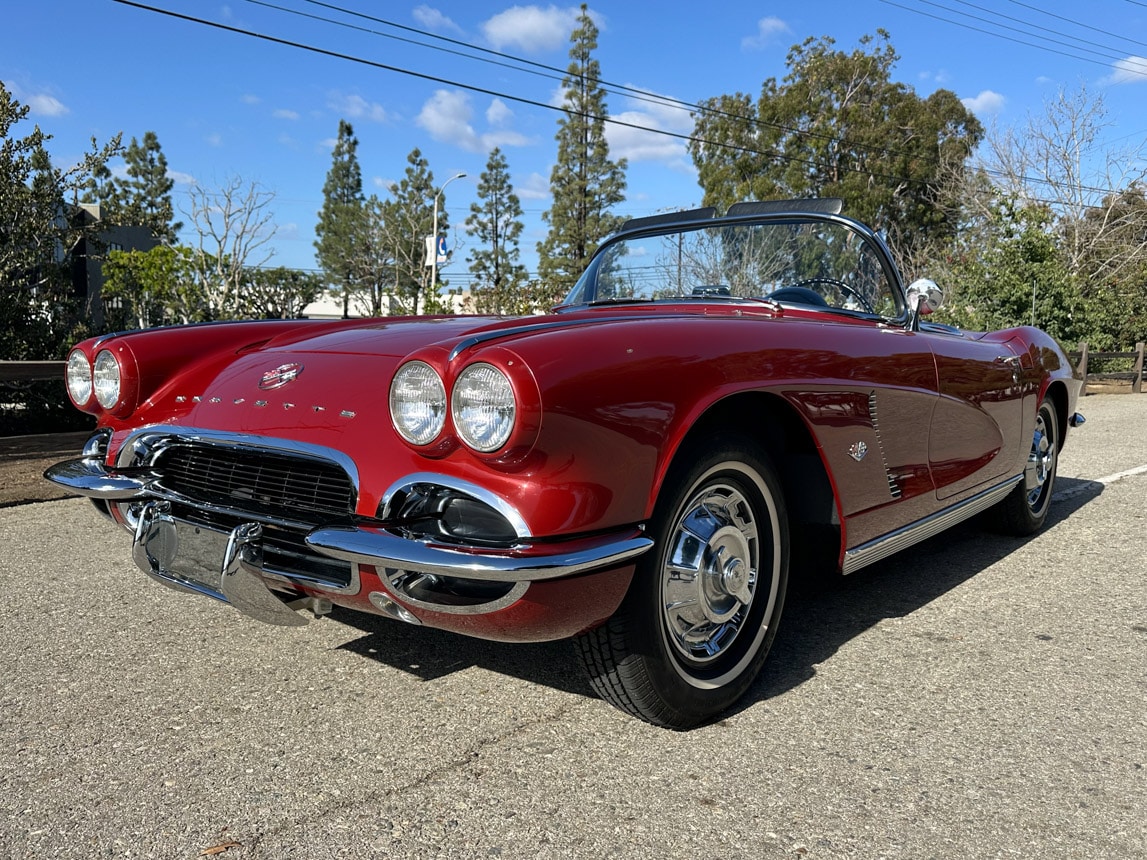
(1137, 382)
(1081, 368)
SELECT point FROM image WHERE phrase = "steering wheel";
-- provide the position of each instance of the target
(840, 285)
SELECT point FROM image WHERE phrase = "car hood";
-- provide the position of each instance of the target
(395, 337)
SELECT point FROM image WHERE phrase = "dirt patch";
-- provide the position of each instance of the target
(23, 460)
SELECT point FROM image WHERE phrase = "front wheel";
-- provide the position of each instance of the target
(702, 612)
(1025, 509)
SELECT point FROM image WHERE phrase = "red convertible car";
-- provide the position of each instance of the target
(719, 404)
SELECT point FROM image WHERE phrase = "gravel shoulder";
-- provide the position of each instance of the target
(23, 460)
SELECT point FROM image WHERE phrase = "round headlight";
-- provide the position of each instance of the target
(79, 376)
(418, 403)
(106, 379)
(483, 407)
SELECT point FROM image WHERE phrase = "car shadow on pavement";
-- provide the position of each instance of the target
(822, 614)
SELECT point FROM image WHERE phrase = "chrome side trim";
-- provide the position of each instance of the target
(893, 542)
(513, 517)
(524, 562)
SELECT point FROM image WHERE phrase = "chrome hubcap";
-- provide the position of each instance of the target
(710, 576)
(1041, 461)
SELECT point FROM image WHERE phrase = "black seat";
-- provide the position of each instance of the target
(799, 295)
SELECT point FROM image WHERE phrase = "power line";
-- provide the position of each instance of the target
(1078, 23)
(560, 109)
(621, 89)
(1026, 23)
(494, 93)
(560, 74)
(1001, 35)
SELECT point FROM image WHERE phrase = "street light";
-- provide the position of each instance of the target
(434, 248)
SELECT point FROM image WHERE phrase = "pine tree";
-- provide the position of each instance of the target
(495, 221)
(585, 183)
(409, 219)
(341, 220)
(143, 197)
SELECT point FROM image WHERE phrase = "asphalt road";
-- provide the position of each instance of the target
(974, 697)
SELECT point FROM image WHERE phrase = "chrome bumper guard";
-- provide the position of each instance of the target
(186, 557)
(88, 476)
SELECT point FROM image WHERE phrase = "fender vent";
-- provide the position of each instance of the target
(893, 487)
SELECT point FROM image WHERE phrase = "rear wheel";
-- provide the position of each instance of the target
(702, 612)
(1025, 509)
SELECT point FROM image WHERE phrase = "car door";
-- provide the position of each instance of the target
(976, 425)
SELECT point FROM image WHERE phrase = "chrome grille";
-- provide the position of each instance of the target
(257, 481)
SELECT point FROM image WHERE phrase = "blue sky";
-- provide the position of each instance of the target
(230, 105)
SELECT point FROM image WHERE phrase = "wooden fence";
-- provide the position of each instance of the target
(1082, 356)
(30, 371)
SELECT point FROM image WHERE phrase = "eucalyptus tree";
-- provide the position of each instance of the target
(839, 125)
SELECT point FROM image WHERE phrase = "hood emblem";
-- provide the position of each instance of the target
(280, 376)
(857, 451)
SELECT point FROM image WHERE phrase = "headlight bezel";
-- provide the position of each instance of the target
(524, 433)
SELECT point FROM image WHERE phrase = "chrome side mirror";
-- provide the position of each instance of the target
(924, 298)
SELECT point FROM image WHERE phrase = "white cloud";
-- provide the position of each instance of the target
(180, 178)
(536, 187)
(356, 107)
(39, 104)
(284, 113)
(1132, 70)
(214, 139)
(768, 29)
(656, 113)
(532, 28)
(384, 183)
(250, 99)
(940, 77)
(985, 104)
(498, 114)
(432, 19)
(46, 105)
(447, 116)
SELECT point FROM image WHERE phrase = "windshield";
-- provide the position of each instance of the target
(817, 263)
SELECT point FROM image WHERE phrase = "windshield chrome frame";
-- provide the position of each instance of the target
(870, 237)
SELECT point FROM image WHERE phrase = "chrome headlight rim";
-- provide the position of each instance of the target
(418, 403)
(484, 407)
(78, 376)
(107, 379)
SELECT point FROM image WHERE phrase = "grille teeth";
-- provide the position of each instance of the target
(893, 487)
(256, 480)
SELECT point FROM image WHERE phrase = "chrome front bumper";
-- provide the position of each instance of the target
(383, 545)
